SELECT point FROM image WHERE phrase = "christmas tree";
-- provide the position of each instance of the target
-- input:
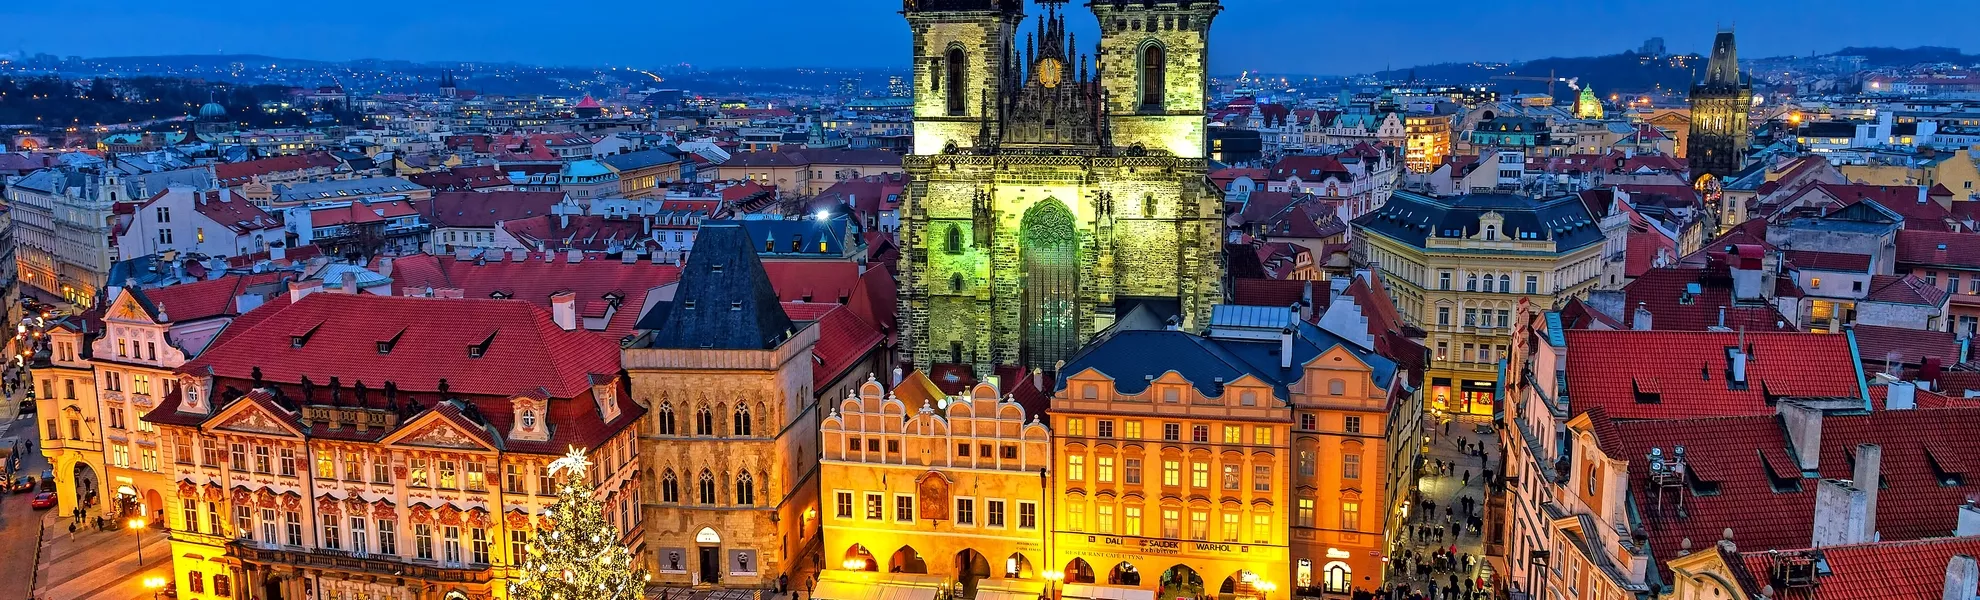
(580, 557)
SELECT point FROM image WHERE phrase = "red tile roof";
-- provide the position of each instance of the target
(1829, 261)
(1689, 373)
(1308, 167)
(205, 299)
(870, 296)
(1879, 346)
(1906, 569)
(1938, 249)
(594, 280)
(1663, 293)
(843, 338)
(1906, 289)
(485, 209)
(1275, 292)
(525, 349)
(232, 174)
(588, 233)
(362, 211)
(226, 208)
(1911, 505)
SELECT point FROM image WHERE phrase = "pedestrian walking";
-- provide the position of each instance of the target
(1467, 476)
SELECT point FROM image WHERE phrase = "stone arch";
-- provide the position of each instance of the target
(971, 567)
(1125, 574)
(858, 558)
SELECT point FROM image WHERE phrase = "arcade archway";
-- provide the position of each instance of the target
(1018, 567)
(1124, 574)
(1179, 581)
(858, 558)
(907, 560)
(970, 568)
(1079, 571)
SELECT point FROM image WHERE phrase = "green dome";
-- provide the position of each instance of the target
(212, 110)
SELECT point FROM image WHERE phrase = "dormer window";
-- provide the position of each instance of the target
(477, 350)
(529, 419)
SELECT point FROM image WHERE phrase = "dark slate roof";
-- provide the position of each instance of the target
(638, 160)
(725, 300)
(774, 237)
(1413, 218)
(1131, 356)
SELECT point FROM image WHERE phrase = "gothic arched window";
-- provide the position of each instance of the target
(665, 419)
(704, 422)
(956, 283)
(958, 66)
(954, 245)
(1154, 76)
(670, 487)
(742, 420)
(707, 487)
(745, 489)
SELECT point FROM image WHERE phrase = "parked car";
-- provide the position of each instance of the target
(27, 406)
(47, 480)
(44, 500)
(22, 484)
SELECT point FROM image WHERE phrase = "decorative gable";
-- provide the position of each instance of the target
(193, 398)
(441, 434)
(606, 394)
(252, 417)
(531, 418)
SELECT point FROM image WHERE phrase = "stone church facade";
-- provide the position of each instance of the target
(1050, 191)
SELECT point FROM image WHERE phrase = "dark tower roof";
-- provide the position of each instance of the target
(725, 300)
(446, 79)
(1724, 66)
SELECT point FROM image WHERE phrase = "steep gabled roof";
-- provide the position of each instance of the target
(1689, 374)
(725, 300)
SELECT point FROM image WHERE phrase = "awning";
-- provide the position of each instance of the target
(839, 590)
(1106, 592)
(983, 594)
(844, 585)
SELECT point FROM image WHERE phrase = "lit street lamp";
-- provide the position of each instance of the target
(137, 527)
(155, 584)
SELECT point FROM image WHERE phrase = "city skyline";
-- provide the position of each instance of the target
(1259, 37)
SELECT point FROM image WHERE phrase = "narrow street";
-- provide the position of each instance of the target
(20, 524)
(1444, 546)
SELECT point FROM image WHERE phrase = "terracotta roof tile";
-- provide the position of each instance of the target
(1938, 249)
(1604, 368)
(1906, 289)
(1905, 569)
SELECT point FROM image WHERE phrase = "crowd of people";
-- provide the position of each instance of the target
(1432, 565)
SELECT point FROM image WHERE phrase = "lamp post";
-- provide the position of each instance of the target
(1052, 579)
(137, 528)
(155, 584)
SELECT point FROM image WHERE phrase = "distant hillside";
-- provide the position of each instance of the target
(1879, 56)
(1627, 71)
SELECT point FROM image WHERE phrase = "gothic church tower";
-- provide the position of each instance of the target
(1719, 105)
(1050, 190)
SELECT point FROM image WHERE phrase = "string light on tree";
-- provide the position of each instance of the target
(580, 558)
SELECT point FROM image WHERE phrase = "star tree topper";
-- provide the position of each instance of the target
(572, 461)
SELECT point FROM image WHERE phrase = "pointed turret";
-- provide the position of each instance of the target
(1724, 66)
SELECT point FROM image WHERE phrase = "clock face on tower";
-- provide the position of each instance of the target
(1050, 71)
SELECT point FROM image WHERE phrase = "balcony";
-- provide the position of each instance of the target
(316, 558)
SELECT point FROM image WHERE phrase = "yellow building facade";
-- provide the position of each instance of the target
(1459, 266)
(919, 483)
(1167, 492)
(1428, 141)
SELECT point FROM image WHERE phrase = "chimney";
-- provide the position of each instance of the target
(348, 282)
(1722, 318)
(1841, 506)
(1286, 348)
(1901, 395)
(563, 310)
(277, 252)
(517, 255)
(1641, 321)
(1869, 476)
(1804, 429)
(574, 256)
(1736, 364)
(1969, 521)
(298, 289)
(385, 266)
(1962, 574)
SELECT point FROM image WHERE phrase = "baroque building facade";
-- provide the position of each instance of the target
(1717, 142)
(1049, 191)
(1459, 267)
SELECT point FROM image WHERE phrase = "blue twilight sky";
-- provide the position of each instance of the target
(1297, 36)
